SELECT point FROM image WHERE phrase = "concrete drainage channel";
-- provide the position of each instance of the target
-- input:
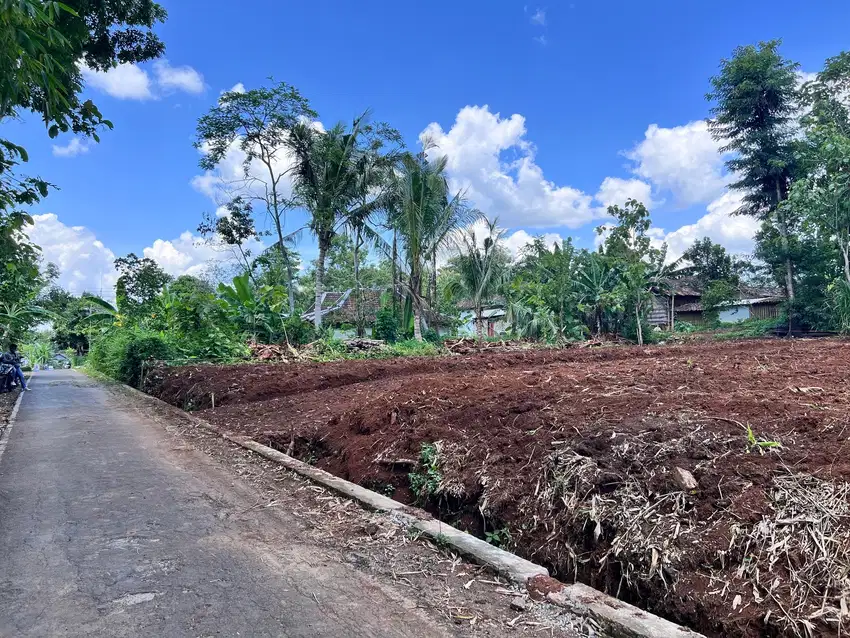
(616, 618)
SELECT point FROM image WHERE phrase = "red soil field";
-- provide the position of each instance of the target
(570, 458)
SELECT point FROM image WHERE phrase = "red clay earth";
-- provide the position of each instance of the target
(573, 453)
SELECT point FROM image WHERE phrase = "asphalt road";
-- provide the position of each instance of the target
(109, 529)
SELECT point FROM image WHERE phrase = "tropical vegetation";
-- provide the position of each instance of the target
(390, 221)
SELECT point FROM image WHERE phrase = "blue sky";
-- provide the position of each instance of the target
(548, 112)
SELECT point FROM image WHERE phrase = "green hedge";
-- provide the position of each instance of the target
(120, 353)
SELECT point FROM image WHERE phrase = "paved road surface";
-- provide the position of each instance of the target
(108, 529)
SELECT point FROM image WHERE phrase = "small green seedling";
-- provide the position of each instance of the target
(758, 443)
(500, 537)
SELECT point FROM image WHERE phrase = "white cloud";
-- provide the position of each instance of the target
(236, 88)
(189, 254)
(541, 40)
(684, 160)
(229, 176)
(74, 147)
(615, 191)
(85, 264)
(734, 232)
(125, 82)
(489, 158)
(131, 82)
(178, 78)
(518, 240)
(539, 17)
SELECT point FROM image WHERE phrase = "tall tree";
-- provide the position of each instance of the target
(425, 217)
(139, 282)
(710, 262)
(639, 265)
(260, 123)
(756, 99)
(483, 265)
(328, 181)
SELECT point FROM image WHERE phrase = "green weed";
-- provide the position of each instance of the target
(426, 479)
(500, 537)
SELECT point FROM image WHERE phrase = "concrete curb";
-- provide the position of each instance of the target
(616, 618)
(7, 431)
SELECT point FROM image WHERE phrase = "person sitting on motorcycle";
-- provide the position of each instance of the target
(16, 361)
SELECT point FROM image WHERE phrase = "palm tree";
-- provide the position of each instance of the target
(328, 180)
(482, 266)
(425, 217)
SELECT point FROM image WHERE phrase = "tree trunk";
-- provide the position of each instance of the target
(395, 273)
(639, 327)
(673, 312)
(782, 227)
(416, 302)
(358, 298)
(479, 324)
(320, 276)
(290, 287)
(284, 255)
(433, 286)
(845, 252)
(417, 320)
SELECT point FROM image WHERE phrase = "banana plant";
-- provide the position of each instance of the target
(15, 316)
(259, 309)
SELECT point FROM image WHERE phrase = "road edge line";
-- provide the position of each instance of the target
(618, 618)
(13, 417)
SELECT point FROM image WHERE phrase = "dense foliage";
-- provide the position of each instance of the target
(388, 222)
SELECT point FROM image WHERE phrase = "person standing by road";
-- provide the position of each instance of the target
(16, 361)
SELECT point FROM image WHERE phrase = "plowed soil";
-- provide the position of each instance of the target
(570, 458)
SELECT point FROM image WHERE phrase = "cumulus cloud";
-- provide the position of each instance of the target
(615, 191)
(178, 78)
(125, 82)
(518, 240)
(85, 264)
(539, 17)
(684, 161)
(734, 232)
(189, 254)
(131, 82)
(73, 148)
(229, 176)
(492, 161)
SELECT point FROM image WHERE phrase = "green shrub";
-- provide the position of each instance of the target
(386, 325)
(413, 348)
(299, 331)
(686, 327)
(426, 478)
(431, 336)
(120, 353)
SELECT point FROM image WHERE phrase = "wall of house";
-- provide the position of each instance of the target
(765, 311)
(468, 329)
(659, 314)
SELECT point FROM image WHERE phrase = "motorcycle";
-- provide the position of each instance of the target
(7, 377)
